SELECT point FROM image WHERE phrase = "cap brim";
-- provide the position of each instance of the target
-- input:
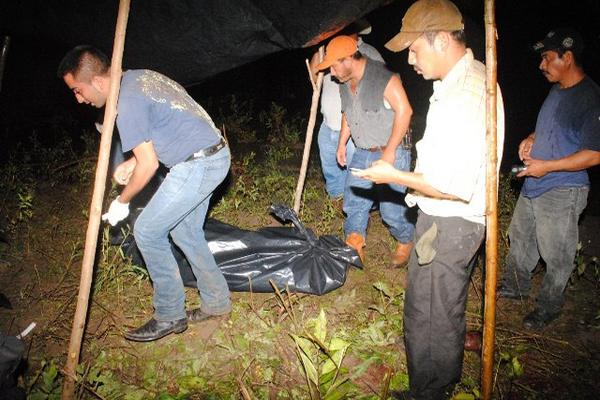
(324, 64)
(402, 40)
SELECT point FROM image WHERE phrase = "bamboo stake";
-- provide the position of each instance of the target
(91, 238)
(3, 55)
(309, 133)
(491, 244)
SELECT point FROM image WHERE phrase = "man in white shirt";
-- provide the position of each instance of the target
(449, 187)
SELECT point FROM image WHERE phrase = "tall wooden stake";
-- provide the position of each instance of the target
(3, 55)
(309, 133)
(491, 244)
(91, 238)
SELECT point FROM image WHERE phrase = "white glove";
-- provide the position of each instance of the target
(116, 212)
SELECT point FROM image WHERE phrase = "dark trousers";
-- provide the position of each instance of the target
(546, 227)
(434, 308)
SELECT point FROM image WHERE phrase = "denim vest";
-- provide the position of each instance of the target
(369, 121)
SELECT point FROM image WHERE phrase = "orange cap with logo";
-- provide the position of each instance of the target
(339, 47)
(426, 16)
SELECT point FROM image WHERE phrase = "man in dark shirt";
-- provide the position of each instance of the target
(565, 143)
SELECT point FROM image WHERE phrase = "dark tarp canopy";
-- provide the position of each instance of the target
(187, 40)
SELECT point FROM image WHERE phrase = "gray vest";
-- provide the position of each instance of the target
(369, 121)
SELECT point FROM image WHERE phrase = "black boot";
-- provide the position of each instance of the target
(507, 292)
(539, 318)
(197, 315)
(153, 330)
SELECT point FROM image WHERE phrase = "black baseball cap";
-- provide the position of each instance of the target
(561, 39)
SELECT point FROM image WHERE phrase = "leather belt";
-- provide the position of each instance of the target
(207, 151)
(375, 149)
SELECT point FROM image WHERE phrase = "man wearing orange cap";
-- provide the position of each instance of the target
(449, 188)
(331, 109)
(376, 113)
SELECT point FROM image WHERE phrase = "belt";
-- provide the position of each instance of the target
(406, 144)
(207, 151)
(376, 148)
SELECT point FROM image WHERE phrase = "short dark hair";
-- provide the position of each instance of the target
(460, 36)
(84, 62)
(358, 55)
(577, 55)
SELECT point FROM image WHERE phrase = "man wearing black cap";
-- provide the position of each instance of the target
(565, 143)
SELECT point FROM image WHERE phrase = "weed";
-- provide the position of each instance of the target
(510, 360)
(45, 384)
(321, 361)
(582, 265)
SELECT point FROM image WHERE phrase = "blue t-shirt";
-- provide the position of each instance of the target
(155, 108)
(569, 121)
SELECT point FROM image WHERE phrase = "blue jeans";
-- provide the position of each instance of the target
(179, 208)
(546, 227)
(360, 194)
(335, 176)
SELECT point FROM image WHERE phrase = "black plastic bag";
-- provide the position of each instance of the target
(292, 257)
(11, 353)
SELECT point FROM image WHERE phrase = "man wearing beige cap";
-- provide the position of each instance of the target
(449, 187)
(376, 113)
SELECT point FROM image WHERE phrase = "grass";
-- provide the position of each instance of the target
(346, 344)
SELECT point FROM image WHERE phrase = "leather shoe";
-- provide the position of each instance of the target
(153, 330)
(473, 341)
(538, 319)
(509, 293)
(357, 242)
(401, 254)
(197, 315)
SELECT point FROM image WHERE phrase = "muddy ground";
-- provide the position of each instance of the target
(251, 353)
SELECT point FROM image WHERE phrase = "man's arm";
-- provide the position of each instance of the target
(577, 161)
(383, 172)
(146, 164)
(396, 97)
(344, 137)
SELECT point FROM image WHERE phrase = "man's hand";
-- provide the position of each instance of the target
(380, 172)
(535, 168)
(116, 212)
(525, 147)
(124, 171)
(341, 154)
(389, 155)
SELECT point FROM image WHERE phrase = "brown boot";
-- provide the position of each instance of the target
(400, 256)
(357, 242)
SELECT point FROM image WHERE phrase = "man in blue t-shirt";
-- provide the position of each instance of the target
(565, 143)
(160, 123)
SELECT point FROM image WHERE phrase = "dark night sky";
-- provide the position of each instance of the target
(32, 96)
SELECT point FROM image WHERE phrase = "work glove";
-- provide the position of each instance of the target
(116, 212)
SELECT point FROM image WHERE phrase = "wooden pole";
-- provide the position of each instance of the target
(491, 244)
(91, 238)
(309, 133)
(3, 56)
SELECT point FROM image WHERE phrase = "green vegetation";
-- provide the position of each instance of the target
(346, 344)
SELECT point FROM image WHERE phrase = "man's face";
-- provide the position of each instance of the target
(553, 66)
(422, 56)
(342, 69)
(88, 93)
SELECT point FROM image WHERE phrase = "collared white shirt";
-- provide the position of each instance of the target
(452, 154)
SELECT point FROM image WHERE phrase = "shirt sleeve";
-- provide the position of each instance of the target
(590, 130)
(133, 121)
